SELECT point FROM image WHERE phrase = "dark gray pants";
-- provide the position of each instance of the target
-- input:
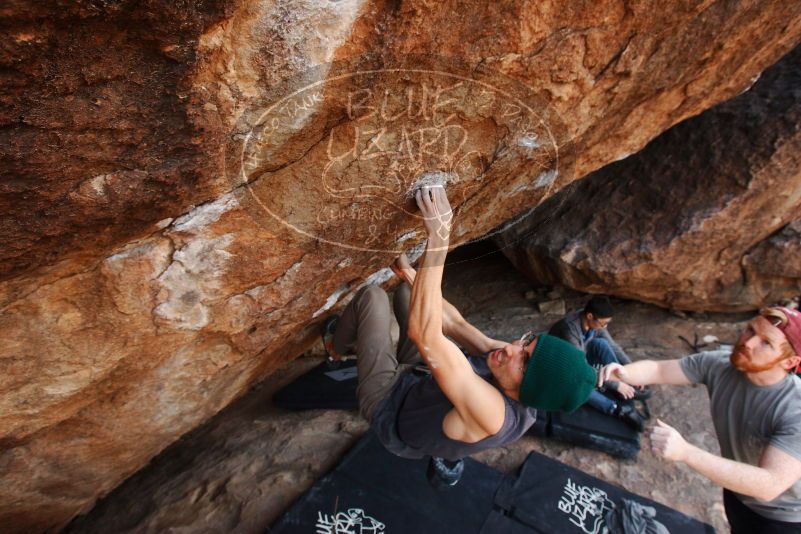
(364, 328)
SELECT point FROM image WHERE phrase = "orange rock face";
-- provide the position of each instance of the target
(188, 190)
(696, 220)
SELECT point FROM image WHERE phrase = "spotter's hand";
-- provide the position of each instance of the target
(436, 211)
(668, 443)
(613, 371)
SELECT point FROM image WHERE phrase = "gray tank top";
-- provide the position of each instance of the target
(423, 408)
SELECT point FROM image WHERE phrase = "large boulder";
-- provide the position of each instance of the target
(189, 188)
(701, 219)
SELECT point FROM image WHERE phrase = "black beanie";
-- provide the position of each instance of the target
(600, 307)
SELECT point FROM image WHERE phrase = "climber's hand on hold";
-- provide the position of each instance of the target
(436, 212)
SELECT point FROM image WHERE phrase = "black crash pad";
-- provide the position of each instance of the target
(548, 496)
(587, 427)
(321, 388)
(373, 491)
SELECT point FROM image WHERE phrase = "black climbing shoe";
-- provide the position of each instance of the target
(327, 330)
(444, 474)
(630, 415)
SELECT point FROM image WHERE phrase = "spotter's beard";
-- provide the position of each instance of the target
(741, 360)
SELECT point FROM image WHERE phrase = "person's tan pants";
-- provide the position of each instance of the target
(364, 328)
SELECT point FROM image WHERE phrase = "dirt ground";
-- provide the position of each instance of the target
(243, 468)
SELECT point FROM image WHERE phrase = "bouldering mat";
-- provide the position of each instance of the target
(587, 427)
(548, 496)
(373, 491)
(321, 388)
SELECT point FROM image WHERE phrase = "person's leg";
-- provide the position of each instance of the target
(626, 412)
(407, 350)
(601, 402)
(365, 327)
(599, 353)
(743, 520)
(737, 514)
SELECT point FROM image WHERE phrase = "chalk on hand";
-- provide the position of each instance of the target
(431, 179)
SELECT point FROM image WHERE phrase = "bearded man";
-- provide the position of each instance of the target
(755, 400)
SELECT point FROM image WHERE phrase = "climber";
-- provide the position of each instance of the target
(755, 401)
(455, 406)
(586, 329)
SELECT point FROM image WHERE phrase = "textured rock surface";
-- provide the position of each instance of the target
(99, 140)
(243, 468)
(145, 286)
(695, 220)
(774, 265)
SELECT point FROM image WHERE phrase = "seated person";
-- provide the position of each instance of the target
(586, 330)
(464, 405)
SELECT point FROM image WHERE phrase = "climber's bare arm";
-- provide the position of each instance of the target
(479, 408)
(454, 325)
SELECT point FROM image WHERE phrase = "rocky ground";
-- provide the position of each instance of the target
(244, 467)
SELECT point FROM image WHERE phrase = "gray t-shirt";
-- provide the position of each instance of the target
(748, 418)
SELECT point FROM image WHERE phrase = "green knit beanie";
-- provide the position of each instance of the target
(558, 376)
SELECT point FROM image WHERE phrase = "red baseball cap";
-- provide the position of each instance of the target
(791, 327)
